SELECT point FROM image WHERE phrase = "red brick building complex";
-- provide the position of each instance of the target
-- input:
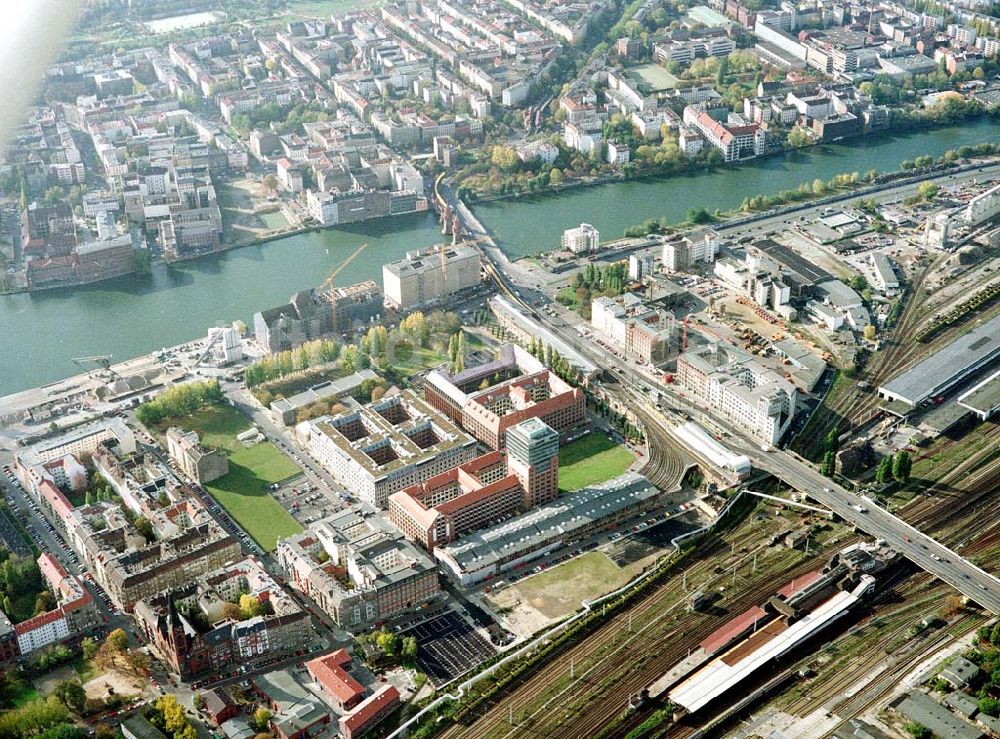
(483, 492)
(520, 387)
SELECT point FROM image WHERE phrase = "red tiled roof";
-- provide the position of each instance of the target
(799, 584)
(330, 673)
(40, 620)
(721, 637)
(370, 708)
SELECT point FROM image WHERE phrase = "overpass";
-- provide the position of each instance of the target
(919, 548)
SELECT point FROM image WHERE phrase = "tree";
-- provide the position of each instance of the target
(261, 718)
(884, 471)
(117, 641)
(901, 466)
(409, 649)
(198, 701)
(919, 731)
(250, 606)
(829, 465)
(270, 182)
(145, 527)
(869, 332)
(72, 695)
(927, 190)
(989, 706)
(504, 158)
(387, 641)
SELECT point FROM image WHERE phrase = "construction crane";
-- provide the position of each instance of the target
(101, 360)
(328, 282)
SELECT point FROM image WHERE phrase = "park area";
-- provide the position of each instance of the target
(590, 460)
(244, 491)
(540, 599)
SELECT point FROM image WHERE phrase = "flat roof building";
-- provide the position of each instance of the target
(749, 394)
(426, 276)
(482, 492)
(358, 569)
(984, 398)
(285, 410)
(520, 388)
(377, 449)
(946, 367)
(572, 517)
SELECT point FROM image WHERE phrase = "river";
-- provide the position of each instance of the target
(529, 225)
(43, 332)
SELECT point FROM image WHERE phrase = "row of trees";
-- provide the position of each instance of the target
(894, 467)
(181, 400)
(282, 364)
(553, 360)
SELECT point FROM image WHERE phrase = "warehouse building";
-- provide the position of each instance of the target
(573, 517)
(426, 276)
(946, 367)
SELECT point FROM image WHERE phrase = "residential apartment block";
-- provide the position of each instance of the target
(583, 239)
(357, 569)
(74, 616)
(197, 627)
(200, 464)
(642, 330)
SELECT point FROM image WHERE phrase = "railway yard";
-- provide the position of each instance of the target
(598, 683)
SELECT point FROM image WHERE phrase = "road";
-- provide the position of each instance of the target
(916, 546)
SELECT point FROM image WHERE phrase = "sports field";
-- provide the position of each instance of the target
(244, 491)
(591, 459)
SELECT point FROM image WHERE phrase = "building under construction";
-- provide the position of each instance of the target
(314, 314)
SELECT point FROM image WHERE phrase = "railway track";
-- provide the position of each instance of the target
(553, 704)
(665, 466)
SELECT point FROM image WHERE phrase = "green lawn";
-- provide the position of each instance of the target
(28, 693)
(325, 8)
(590, 460)
(408, 361)
(85, 669)
(243, 492)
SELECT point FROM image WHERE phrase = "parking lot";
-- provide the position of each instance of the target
(448, 647)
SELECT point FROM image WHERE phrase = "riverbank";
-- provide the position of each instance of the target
(533, 224)
(132, 316)
(701, 166)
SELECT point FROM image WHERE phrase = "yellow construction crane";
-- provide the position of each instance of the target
(328, 282)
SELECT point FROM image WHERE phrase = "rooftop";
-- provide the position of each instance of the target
(942, 369)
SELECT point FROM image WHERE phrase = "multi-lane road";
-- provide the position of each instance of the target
(916, 546)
